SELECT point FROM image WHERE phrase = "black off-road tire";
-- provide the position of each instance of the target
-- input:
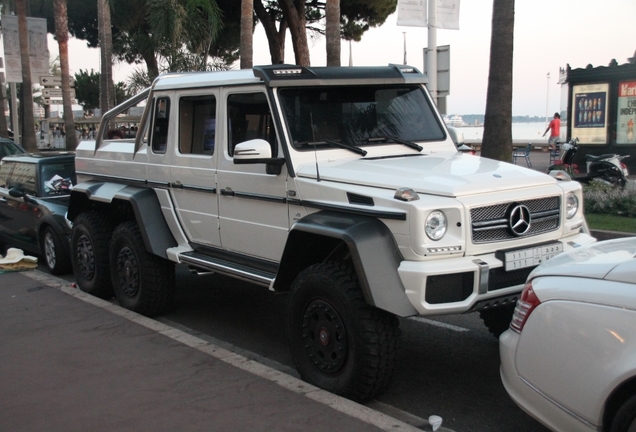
(625, 418)
(54, 253)
(338, 342)
(497, 319)
(90, 240)
(142, 282)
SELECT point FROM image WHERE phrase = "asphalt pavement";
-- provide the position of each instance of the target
(72, 362)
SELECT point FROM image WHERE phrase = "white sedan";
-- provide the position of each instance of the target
(569, 357)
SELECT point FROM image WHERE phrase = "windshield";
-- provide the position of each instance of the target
(317, 116)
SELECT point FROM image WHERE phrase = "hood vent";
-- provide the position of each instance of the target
(360, 199)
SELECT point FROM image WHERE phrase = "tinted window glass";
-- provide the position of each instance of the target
(5, 170)
(160, 124)
(57, 178)
(358, 114)
(250, 118)
(197, 125)
(23, 177)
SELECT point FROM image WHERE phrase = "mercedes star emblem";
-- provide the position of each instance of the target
(520, 220)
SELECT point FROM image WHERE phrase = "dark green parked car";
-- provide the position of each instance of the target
(34, 196)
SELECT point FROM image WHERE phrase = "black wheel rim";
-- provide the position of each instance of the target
(324, 336)
(85, 257)
(128, 271)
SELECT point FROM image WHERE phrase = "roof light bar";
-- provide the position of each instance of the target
(287, 71)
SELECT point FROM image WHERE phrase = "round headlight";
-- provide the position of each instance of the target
(436, 225)
(571, 205)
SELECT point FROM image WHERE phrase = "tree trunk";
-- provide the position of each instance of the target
(497, 140)
(247, 25)
(275, 38)
(333, 32)
(61, 34)
(106, 86)
(294, 11)
(28, 119)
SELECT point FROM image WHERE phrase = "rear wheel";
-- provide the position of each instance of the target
(89, 252)
(625, 418)
(54, 252)
(142, 282)
(339, 342)
(498, 318)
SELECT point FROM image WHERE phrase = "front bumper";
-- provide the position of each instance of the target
(467, 283)
(528, 398)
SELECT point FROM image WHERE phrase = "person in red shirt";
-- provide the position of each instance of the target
(555, 131)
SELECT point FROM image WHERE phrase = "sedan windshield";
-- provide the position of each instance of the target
(322, 117)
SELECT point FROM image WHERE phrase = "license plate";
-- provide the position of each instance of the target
(530, 257)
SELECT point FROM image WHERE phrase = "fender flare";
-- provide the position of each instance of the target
(373, 252)
(143, 201)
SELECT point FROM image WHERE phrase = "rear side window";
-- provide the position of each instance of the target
(197, 125)
(23, 177)
(5, 171)
(160, 122)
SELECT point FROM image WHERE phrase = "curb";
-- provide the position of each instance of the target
(346, 406)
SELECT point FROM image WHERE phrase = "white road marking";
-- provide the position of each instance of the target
(440, 324)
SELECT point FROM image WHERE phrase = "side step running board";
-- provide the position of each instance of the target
(238, 271)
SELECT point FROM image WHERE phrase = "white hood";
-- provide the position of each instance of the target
(445, 174)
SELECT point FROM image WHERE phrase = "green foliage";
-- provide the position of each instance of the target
(605, 199)
(597, 221)
(87, 90)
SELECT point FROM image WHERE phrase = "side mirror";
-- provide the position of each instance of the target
(253, 151)
(258, 151)
(456, 135)
(16, 192)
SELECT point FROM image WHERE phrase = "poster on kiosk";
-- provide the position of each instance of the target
(626, 113)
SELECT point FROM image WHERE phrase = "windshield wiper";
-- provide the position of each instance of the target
(410, 144)
(347, 147)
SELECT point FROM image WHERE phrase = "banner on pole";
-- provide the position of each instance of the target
(38, 48)
(448, 14)
(412, 13)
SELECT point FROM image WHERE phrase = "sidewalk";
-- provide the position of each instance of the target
(72, 362)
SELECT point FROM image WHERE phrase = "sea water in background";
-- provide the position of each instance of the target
(531, 132)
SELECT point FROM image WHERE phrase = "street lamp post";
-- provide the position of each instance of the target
(547, 100)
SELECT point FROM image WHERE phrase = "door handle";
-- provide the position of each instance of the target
(227, 192)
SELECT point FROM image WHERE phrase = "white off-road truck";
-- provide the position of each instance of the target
(340, 186)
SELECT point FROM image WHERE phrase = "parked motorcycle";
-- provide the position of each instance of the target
(606, 168)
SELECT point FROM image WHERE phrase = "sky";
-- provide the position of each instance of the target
(549, 34)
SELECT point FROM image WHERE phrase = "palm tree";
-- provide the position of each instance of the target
(28, 118)
(497, 140)
(61, 33)
(107, 90)
(332, 30)
(247, 25)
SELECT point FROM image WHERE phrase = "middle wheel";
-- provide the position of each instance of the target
(142, 282)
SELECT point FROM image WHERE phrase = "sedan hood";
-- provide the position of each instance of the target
(595, 261)
(445, 174)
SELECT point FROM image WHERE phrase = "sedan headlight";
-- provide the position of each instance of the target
(436, 225)
(571, 205)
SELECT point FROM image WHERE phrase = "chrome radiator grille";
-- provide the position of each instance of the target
(493, 223)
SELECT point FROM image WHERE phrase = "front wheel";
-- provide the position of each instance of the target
(497, 319)
(338, 342)
(54, 253)
(142, 282)
(625, 418)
